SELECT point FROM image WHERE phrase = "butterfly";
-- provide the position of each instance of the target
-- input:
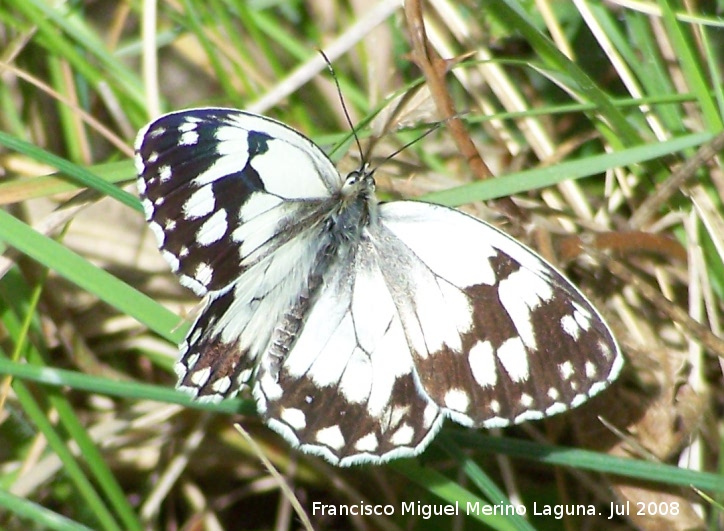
(358, 326)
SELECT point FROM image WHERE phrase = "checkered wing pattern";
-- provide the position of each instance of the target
(357, 326)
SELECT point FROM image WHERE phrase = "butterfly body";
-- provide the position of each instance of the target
(357, 326)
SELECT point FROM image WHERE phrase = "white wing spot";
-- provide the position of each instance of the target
(556, 408)
(213, 229)
(526, 400)
(429, 415)
(457, 400)
(269, 388)
(232, 152)
(294, 417)
(189, 138)
(193, 284)
(591, 370)
(606, 351)
(199, 378)
(368, 443)
(180, 369)
(171, 259)
(153, 133)
(392, 417)
(582, 316)
(482, 364)
(403, 436)
(192, 339)
(200, 203)
(528, 415)
(148, 209)
(565, 369)
(157, 231)
(521, 293)
(165, 173)
(578, 400)
(514, 358)
(192, 360)
(190, 124)
(570, 326)
(553, 393)
(222, 385)
(204, 273)
(331, 437)
(243, 377)
(494, 406)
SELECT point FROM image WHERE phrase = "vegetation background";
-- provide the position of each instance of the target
(603, 118)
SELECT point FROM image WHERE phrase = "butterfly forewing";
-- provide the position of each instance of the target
(223, 189)
(357, 326)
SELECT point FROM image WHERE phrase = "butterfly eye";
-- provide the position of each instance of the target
(352, 178)
(351, 183)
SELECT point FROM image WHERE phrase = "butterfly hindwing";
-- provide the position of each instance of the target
(348, 388)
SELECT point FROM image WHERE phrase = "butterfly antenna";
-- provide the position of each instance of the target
(413, 141)
(341, 99)
(423, 135)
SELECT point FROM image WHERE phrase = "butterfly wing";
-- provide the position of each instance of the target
(347, 389)
(224, 191)
(497, 335)
(221, 187)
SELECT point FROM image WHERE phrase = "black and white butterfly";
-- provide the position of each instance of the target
(358, 326)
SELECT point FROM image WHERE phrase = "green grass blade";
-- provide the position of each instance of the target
(72, 469)
(44, 518)
(587, 460)
(452, 493)
(72, 171)
(131, 390)
(506, 185)
(683, 44)
(84, 274)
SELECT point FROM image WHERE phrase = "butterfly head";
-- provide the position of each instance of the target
(357, 206)
(359, 183)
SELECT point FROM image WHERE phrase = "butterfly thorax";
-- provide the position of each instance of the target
(355, 208)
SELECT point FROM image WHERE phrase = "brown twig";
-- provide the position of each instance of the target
(434, 69)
